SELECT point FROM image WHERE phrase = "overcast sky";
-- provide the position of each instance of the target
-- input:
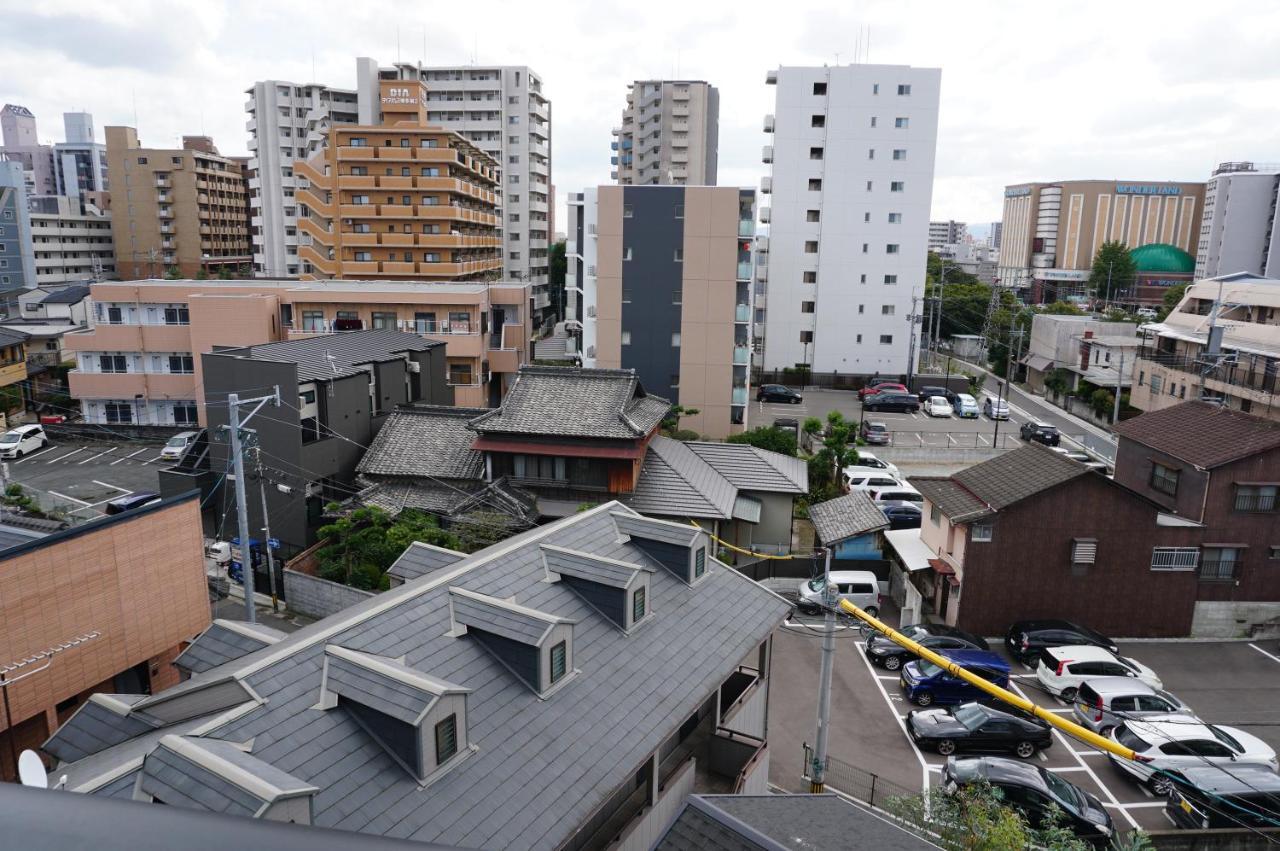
(1030, 91)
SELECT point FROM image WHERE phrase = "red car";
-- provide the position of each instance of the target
(882, 387)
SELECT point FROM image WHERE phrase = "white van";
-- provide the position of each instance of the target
(22, 440)
(859, 587)
(865, 480)
(966, 406)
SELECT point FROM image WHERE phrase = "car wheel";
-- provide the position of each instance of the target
(795, 401)
(1160, 784)
(44, 441)
(1025, 750)
(19, 453)
(924, 698)
(873, 611)
(893, 663)
(1069, 695)
(946, 747)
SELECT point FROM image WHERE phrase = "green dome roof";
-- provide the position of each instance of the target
(1162, 257)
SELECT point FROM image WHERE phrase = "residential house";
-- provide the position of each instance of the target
(46, 317)
(113, 600)
(1219, 469)
(1058, 341)
(13, 365)
(568, 688)
(71, 305)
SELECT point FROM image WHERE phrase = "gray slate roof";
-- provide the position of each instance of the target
(12, 536)
(223, 641)
(753, 469)
(420, 559)
(676, 482)
(594, 568)
(327, 356)
(846, 517)
(540, 768)
(73, 294)
(216, 776)
(426, 440)
(101, 722)
(382, 684)
(10, 337)
(568, 402)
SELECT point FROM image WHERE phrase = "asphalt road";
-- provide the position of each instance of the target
(81, 478)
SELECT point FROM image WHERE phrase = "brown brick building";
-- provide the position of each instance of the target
(137, 579)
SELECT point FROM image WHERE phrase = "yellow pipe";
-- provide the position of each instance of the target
(1084, 734)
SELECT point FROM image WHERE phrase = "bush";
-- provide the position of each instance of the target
(767, 437)
(685, 434)
(360, 547)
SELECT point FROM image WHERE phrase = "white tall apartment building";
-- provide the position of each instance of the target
(71, 241)
(670, 134)
(1240, 231)
(852, 180)
(949, 232)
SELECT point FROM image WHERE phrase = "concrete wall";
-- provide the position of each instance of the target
(319, 598)
(774, 527)
(1230, 619)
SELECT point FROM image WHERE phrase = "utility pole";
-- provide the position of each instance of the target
(1014, 332)
(1115, 416)
(242, 505)
(266, 535)
(912, 319)
(818, 772)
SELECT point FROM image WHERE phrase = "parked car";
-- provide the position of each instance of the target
(1045, 433)
(1173, 744)
(882, 387)
(887, 653)
(20, 440)
(1034, 791)
(177, 445)
(902, 514)
(1025, 639)
(132, 501)
(1085, 458)
(965, 406)
(868, 461)
(870, 481)
(1205, 797)
(1146, 312)
(937, 406)
(902, 493)
(1063, 669)
(925, 684)
(1103, 702)
(934, 390)
(892, 400)
(995, 408)
(974, 727)
(859, 587)
(875, 433)
(777, 393)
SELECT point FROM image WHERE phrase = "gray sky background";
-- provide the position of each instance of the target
(1030, 91)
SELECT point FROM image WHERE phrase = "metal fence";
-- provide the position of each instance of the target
(857, 783)
(1007, 439)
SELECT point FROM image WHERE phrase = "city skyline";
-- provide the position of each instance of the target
(1166, 122)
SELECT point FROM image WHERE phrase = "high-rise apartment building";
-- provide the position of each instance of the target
(22, 144)
(946, 233)
(175, 208)
(659, 281)
(1239, 231)
(400, 200)
(852, 180)
(17, 263)
(71, 241)
(670, 133)
(1052, 231)
(997, 229)
(80, 162)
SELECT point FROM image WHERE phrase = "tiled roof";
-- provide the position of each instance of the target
(224, 641)
(997, 483)
(753, 469)
(67, 295)
(426, 440)
(328, 356)
(421, 559)
(958, 504)
(566, 402)
(1202, 433)
(676, 482)
(847, 516)
(10, 337)
(537, 773)
(101, 722)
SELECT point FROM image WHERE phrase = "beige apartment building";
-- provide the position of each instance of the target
(670, 134)
(182, 208)
(1051, 232)
(140, 362)
(401, 200)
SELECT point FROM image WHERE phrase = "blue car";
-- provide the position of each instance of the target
(925, 684)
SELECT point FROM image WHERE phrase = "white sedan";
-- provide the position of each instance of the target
(1167, 743)
(1061, 670)
(937, 406)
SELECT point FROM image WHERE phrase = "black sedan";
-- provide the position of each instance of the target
(901, 514)
(902, 402)
(777, 393)
(975, 727)
(933, 390)
(936, 636)
(1045, 433)
(1036, 792)
(1025, 639)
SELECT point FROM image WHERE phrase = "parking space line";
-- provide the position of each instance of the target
(1264, 653)
(113, 487)
(34, 454)
(78, 501)
(1088, 753)
(99, 455)
(924, 766)
(130, 455)
(885, 677)
(153, 460)
(1138, 805)
(68, 455)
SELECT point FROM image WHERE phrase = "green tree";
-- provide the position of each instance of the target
(202, 274)
(827, 465)
(173, 273)
(1061, 308)
(767, 437)
(558, 266)
(1113, 270)
(1172, 296)
(955, 275)
(359, 547)
(224, 273)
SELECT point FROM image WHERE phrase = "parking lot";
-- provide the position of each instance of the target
(80, 478)
(1232, 683)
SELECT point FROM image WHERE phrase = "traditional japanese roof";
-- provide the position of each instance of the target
(566, 402)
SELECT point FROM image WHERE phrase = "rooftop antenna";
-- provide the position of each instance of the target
(333, 362)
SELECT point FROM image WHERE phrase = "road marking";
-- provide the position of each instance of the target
(99, 455)
(1265, 653)
(68, 455)
(34, 454)
(130, 455)
(1138, 806)
(1088, 753)
(71, 499)
(924, 766)
(1042, 755)
(885, 677)
(113, 487)
(153, 460)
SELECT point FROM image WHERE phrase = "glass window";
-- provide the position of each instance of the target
(446, 739)
(904, 90)
(627, 211)
(886, 339)
(1164, 479)
(177, 316)
(980, 532)
(119, 412)
(1219, 564)
(901, 123)
(313, 320)
(184, 413)
(699, 562)
(1255, 498)
(638, 604)
(559, 661)
(384, 321)
(113, 363)
(182, 364)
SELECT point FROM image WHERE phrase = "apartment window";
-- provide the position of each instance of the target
(895, 218)
(887, 309)
(896, 186)
(358, 142)
(873, 121)
(359, 170)
(628, 211)
(404, 171)
(307, 397)
(406, 200)
(815, 153)
(446, 739)
(513, 217)
(891, 248)
(460, 373)
(638, 604)
(1157, 383)
(113, 363)
(677, 296)
(862, 308)
(818, 121)
(809, 277)
(313, 320)
(871, 153)
(875, 88)
(359, 199)
(626, 253)
(806, 306)
(1174, 558)
(1142, 374)
(1255, 498)
(1219, 564)
(815, 184)
(560, 660)
(429, 143)
(182, 364)
(819, 88)
(811, 246)
(980, 532)
(901, 123)
(866, 246)
(1164, 479)
(935, 515)
(679, 255)
(866, 217)
(675, 340)
(177, 316)
(862, 279)
(859, 339)
(184, 413)
(679, 211)
(899, 153)
(626, 338)
(806, 336)
(142, 160)
(118, 412)
(886, 339)
(384, 321)
(361, 227)
(904, 90)
(870, 185)
(364, 256)
(430, 171)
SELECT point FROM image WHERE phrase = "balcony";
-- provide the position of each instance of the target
(768, 124)
(741, 355)
(766, 154)
(744, 271)
(742, 313)
(313, 202)
(739, 396)
(765, 215)
(766, 185)
(762, 273)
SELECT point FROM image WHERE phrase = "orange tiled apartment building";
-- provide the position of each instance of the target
(401, 200)
(184, 208)
(140, 361)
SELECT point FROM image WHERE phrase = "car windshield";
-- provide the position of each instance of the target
(10, 437)
(929, 669)
(815, 584)
(971, 716)
(917, 631)
(1066, 794)
(1221, 735)
(1131, 740)
(876, 427)
(177, 441)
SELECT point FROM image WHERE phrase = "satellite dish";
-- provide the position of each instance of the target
(31, 770)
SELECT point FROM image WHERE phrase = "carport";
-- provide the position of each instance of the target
(907, 554)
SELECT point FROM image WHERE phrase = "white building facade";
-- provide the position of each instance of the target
(1240, 231)
(71, 241)
(852, 149)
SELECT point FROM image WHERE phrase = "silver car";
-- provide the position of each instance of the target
(1105, 702)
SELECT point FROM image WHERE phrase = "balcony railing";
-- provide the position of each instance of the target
(1218, 570)
(1255, 502)
(1259, 374)
(742, 313)
(739, 396)
(744, 271)
(741, 355)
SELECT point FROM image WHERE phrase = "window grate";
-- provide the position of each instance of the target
(638, 602)
(699, 562)
(1174, 558)
(559, 661)
(446, 739)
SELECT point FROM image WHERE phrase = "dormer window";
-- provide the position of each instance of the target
(699, 562)
(619, 590)
(681, 549)
(639, 600)
(533, 645)
(559, 661)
